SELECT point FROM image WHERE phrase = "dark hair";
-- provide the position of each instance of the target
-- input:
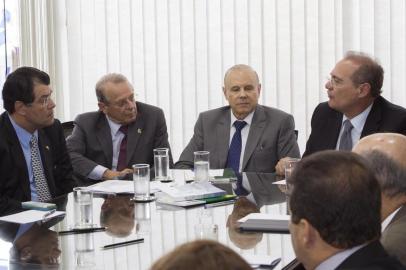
(19, 86)
(369, 71)
(339, 196)
(389, 173)
(201, 255)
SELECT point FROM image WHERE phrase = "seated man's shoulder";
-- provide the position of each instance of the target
(386, 105)
(88, 116)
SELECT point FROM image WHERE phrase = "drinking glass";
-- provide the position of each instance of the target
(141, 182)
(161, 164)
(202, 165)
(83, 204)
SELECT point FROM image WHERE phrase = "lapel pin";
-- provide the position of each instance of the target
(47, 147)
(139, 131)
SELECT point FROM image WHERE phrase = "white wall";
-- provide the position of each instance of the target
(176, 51)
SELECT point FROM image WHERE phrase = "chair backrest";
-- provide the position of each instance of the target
(67, 128)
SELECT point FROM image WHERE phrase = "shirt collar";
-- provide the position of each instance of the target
(114, 127)
(334, 261)
(23, 135)
(388, 219)
(247, 119)
(358, 121)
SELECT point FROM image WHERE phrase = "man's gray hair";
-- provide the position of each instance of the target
(111, 77)
(390, 174)
(240, 67)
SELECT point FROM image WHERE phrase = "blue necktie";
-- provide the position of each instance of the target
(346, 139)
(234, 152)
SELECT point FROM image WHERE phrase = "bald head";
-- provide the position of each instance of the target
(391, 144)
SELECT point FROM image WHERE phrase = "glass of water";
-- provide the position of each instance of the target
(202, 165)
(161, 164)
(141, 182)
(289, 167)
(83, 203)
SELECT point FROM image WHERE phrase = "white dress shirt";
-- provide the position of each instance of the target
(334, 261)
(117, 136)
(244, 133)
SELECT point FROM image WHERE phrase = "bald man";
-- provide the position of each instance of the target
(244, 136)
(386, 153)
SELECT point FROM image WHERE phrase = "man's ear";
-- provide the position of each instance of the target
(308, 234)
(102, 106)
(364, 90)
(19, 108)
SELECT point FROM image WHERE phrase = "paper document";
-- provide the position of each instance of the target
(259, 259)
(281, 182)
(189, 174)
(265, 223)
(30, 216)
(121, 186)
(193, 191)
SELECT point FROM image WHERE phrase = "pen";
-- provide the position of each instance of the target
(78, 231)
(122, 244)
(219, 204)
(47, 214)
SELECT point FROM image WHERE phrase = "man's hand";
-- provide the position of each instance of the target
(109, 174)
(280, 167)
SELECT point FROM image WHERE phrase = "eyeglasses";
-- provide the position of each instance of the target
(334, 81)
(42, 101)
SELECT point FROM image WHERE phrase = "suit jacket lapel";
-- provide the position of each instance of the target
(45, 150)
(399, 214)
(222, 139)
(18, 158)
(374, 118)
(334, 126)
(103, 134)
(135, 131)
(256, 130)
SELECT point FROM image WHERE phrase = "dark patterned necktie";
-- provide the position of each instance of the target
(346, 139)
(39, 177)
(122, 156)
(234, 152)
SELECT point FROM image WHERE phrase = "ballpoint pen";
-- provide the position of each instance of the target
(122, 244)
(48, 213)
(79, 231)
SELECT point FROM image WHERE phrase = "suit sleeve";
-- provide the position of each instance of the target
(161, 136)
(63, 172)
(8, 184)
(76, 144)
(310, 141)
(186, 159)
(287, 142)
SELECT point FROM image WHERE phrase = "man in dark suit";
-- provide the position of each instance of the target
(335, 214)
(355, 102)
(386, 153)
(354, 92)
(265, 136)
(105, 144)
(34, 163)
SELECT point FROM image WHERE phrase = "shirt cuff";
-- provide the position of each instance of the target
(97, 173)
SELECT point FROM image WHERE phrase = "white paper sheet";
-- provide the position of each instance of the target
(122, 186)
(30, 216)
(281, 182)
(257, 259)
(264, 216)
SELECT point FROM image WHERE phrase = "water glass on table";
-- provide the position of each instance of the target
(201, 165)
(161, 164)
(289, 167)
(141, 182)
(83, 203)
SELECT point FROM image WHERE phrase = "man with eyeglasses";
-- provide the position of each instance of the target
(355, 107)
(106, 143)
(34, 163)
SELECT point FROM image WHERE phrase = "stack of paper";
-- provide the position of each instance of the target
(193, 191)
(121, 187)
(265, 223)
(31, 216)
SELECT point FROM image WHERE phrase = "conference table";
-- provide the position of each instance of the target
(162, 226)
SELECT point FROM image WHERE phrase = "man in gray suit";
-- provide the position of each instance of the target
(243, 136)
(104, 144)
(386, 153)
